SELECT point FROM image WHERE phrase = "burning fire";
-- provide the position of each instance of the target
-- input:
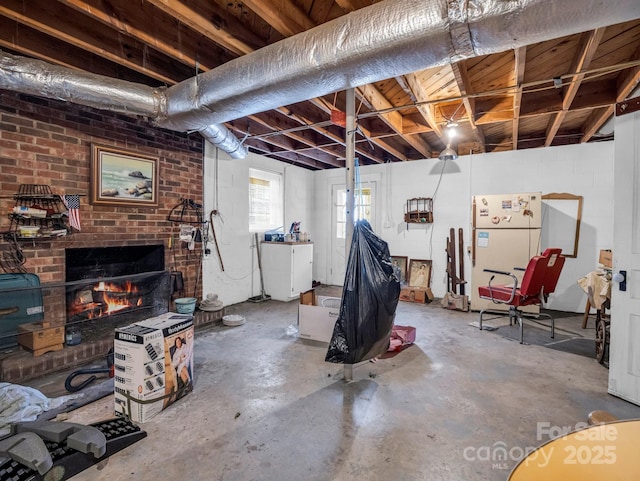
(107, 298)
(113, 296)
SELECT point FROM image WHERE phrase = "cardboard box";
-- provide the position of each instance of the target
(153, 365)
(606, 258)
(316, 321)
(416, 294)
(41, 337)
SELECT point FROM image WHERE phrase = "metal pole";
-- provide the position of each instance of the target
(350, 201)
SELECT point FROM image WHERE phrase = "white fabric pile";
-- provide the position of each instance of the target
(22, 403)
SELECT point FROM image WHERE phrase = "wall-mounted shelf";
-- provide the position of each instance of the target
(419, 210)
(38, 214)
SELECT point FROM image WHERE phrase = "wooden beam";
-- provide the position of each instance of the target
(353, 5)
(626, 82)
(202, 25)
(520, 59)
(312, 159)
(376, 101)
(49, 19)
(284, 15)
(321, 104)
(299, 137)
(413, 87)
(41, 46)
(172, 40)
(464, 85)
(589, 42)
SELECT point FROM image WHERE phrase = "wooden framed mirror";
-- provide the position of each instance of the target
(561, 217)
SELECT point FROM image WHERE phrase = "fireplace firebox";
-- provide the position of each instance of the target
(125, 283)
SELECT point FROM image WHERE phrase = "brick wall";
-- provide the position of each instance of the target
(50, 142)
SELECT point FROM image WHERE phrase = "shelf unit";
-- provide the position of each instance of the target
(50, 225)
(419, 210)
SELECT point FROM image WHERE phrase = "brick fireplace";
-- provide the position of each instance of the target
(49, 142)
(127, 283)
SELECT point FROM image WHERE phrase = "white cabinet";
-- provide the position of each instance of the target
(287, 268)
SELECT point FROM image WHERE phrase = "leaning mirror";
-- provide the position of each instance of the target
(561, 216)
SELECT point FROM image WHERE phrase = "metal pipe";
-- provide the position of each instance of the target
(35, 77)
(350, 181)
(384, 40)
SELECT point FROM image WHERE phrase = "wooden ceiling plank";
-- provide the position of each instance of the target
(411, 84)
(200, 24)
(464, 85)
(43, 47)
(27, 14)
(589, 42)
(297, 136)
(353, 5)
(376, 101)
(326, 107)
(171, 42)
(244, 127)
(626, 82)
(283, 15)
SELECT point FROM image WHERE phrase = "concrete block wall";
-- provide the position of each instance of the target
(229, 195)
(585, 169)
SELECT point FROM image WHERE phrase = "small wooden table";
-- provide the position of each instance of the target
(602, 452)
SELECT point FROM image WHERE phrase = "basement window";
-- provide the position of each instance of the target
(265, 200)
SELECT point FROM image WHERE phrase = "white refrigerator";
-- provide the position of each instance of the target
(506, 234)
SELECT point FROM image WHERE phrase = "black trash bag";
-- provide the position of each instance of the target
(369, 300)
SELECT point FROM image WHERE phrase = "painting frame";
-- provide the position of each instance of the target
(402, 262)
(416, 278)
(121, 177)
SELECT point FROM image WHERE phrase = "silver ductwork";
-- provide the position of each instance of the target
(387, 39)
(39, 78)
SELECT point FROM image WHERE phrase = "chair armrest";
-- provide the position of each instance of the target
(491, 271)
(513, 288)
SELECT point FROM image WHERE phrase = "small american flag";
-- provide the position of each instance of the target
(72, 203)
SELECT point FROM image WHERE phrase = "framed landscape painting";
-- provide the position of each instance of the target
(120, 177)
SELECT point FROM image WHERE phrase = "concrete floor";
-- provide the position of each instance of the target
(267, 407)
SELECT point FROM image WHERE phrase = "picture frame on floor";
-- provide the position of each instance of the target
(420, 273)
(121, 177)
(401, 263)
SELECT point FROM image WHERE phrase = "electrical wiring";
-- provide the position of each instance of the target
(433, 199)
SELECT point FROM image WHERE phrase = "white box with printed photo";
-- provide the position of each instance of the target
(153, 364)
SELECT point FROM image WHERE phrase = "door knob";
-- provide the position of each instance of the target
(621, 278)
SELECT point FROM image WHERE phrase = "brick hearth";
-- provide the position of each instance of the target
(20, 365)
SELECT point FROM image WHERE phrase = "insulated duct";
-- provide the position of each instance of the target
(39, 78)
(387, 39)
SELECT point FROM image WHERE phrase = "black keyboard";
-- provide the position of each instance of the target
(67, 462)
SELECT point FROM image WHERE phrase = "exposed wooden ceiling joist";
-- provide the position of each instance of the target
(503, 101)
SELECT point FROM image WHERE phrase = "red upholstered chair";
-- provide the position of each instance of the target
(539, 280)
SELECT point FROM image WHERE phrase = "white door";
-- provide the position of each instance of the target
(624, 357)
(363, 210)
